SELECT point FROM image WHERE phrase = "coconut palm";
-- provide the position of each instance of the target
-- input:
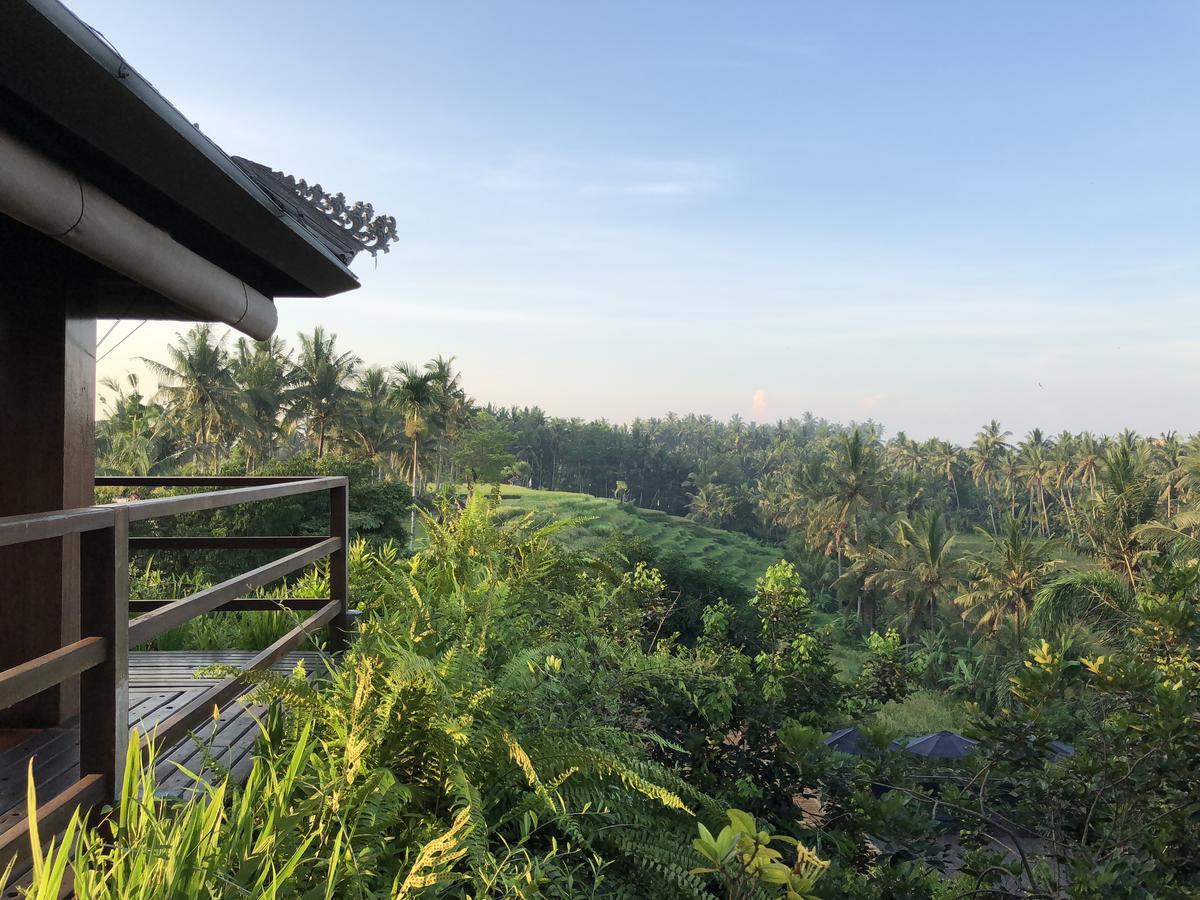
(201, 395)
(945, 458)
(1126, 498)
(710, 505)
(986, 455)
(1036, 472)
(905, 453)
(1099, 600)
(1005, 578)
(267, 380)
(921, 566)
(323, 379)
(134, 438)
(375, 424)
(1167, 457)
(853, 484)
(1089, 454)
(418, 399)
(454, 410)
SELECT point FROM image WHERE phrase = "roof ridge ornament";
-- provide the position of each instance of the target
(374, 232)
(345, 228)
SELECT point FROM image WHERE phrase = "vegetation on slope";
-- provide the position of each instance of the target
(514, 722)
(1047, 585)
(601, 519)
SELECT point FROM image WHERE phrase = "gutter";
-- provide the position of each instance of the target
(58, 203)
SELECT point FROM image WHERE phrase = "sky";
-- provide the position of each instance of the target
(931, 214)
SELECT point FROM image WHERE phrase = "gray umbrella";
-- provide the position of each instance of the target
(1060, 749)
(847, 740)
(941, 745)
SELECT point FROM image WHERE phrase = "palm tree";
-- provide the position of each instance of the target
(1167, 455)
(710, 505)
(1007, 576)
(202, 397)
(1036, 472)
(986, 455)
(454, 409)
(375, 424)
(1125, 499)
(945, 457)
(323, 378)
(921, 566)
(1089, 453)
(418, 398)
(1061, 462)
(135, 437)
(853, 484)
(267, 379)
(905, 453)
(1094, 598)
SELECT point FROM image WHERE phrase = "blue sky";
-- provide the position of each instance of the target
(928, 213)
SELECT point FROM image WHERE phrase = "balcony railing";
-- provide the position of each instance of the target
(100, 658)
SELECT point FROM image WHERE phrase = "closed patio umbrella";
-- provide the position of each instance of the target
(847, 740)
(1061, 749)
(940, 745)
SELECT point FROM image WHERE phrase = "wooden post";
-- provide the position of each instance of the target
(339, 572)
(47, 393)
(104, 690)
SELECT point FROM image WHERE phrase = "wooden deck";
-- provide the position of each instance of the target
(159, 683)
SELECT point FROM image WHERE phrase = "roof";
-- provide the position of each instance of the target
(72, 95)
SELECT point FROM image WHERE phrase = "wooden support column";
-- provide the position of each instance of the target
(47, 454)
(104, 690)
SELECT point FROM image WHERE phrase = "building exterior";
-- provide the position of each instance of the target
(114, 205)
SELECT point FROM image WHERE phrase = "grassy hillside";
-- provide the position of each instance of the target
(724, 550)
(736, 554)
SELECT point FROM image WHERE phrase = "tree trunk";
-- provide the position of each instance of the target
(412, 518)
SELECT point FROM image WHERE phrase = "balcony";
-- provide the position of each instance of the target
(80, 763)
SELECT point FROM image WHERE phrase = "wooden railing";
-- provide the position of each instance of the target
(100, 658)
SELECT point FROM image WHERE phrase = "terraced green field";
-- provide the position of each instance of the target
(724, 550)
(921, 712)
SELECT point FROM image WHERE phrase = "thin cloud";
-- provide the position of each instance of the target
(539, 173)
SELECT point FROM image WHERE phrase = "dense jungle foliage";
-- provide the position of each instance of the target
(523, 718)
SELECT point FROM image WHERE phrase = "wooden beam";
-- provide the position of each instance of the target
(208, 542)
(226, 481)
(50, 669)
(264, 659)
(160, 621)
(241, 604)
(23, 529)
(140, 510)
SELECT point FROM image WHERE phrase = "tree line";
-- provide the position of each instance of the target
(888, 525)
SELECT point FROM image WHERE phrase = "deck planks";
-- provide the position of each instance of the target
(159, 683)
